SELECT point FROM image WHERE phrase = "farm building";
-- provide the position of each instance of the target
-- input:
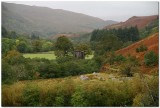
(79, 54)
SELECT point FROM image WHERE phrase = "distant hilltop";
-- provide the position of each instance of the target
(139, 21)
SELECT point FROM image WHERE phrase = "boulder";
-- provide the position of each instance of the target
(83, 77)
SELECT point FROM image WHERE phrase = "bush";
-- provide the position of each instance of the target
(103, 94)
(97, 96)
(112, 58)
(137, 50)
(48, 99)
(60, 95)
(31, 96)
(143, 99)
(8, 75)
(14, 57)
(21, 72)
(78, 98)
(32, 69)
(59, 101)
(64, 59)
(65, 89)
(126, 70)
(71, 68)
(151, 59)
(141, 48)
(67, 68)
(90, 66)
(133, 61)
(120, 58)
(50, 70)
(146, 91)
(78, 67)
(99, 60)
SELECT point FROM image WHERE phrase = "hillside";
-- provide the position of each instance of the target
(139, 21)
(152, 43)
(46, 21)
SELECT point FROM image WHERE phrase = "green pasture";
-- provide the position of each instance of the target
(89, 56)
(47, 55)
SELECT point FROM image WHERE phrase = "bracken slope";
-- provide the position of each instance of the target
(152, 43)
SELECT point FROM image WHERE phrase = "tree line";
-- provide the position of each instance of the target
(124, 34)
(24, 43)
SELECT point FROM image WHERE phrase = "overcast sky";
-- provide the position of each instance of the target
(118, 11)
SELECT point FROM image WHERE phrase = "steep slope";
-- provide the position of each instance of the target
(46, 21)
(139, 21)
(152, 43)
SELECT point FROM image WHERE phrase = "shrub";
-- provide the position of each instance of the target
(78, 98)
(71, 68)
(119, 58)
(21, 72)
(52, 98)
(143, 99)
(14, 57)
(49, 69)
(65, 89)
(133, 61)
(141, 48)
(78, 67)
(112, 58)
(146, 91)
(59, 101)
(8, 75)
(99, 60)
(31, 96)
(154, 90)
(137, 50)
(126, 70)
(32, 69)
(151, 59)
(98, 96)
(64, 59)
(48, 99)
(89, 66)
(52, 69)
(145, 48)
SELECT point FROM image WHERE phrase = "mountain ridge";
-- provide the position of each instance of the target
(46, 21)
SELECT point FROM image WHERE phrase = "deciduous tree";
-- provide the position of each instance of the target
(64, 44)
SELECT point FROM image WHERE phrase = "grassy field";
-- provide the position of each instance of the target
(89, 57)
(48, 55)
